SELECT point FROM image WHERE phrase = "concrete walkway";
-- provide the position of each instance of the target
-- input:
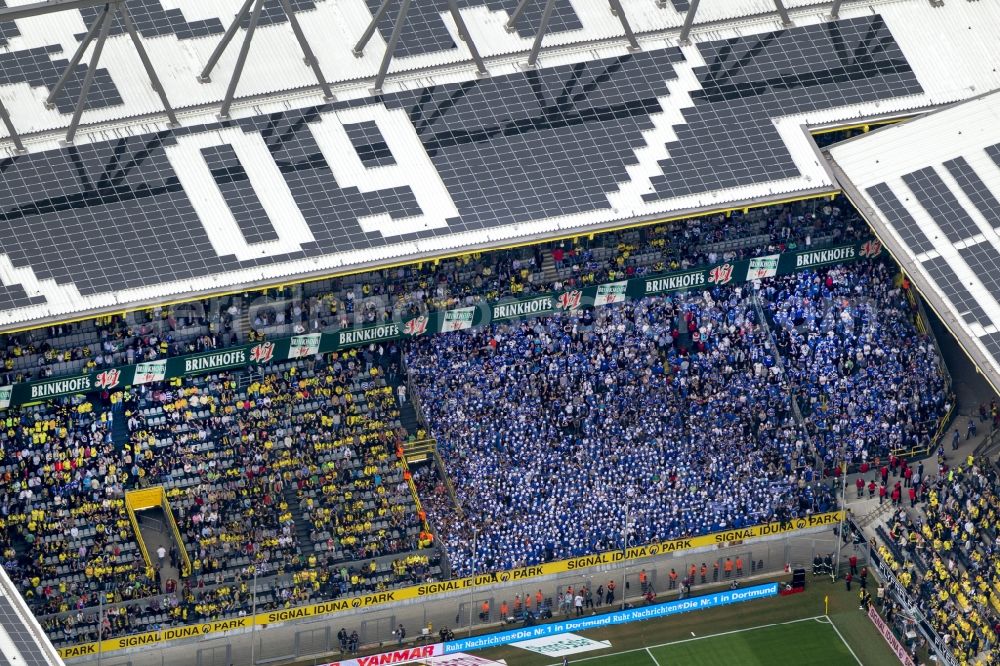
(154, 537)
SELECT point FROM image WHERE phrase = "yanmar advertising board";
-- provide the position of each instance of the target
(401, 656)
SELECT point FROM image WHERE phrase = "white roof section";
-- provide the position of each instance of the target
(930, 187)
(953, 65)
(678, 138)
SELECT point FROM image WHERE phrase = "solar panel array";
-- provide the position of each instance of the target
(372, 149)
(8, 29)
(749, 80)
(500, 151)
(151, 19)
(926, 190)
(424, 30)
(37, 68)
(40, 66)
(21, 637)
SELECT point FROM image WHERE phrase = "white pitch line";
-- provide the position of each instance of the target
(818, 618)
(844, 641)
(652, 657)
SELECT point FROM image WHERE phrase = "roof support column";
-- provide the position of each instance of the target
(780, 6)
(359, 48)
(511, 24)
(15, 137)
(542, 27)
(226, 38)
(307, 52)
(241, 60)
(463, 32)
(88, 79)
(616, 9)
(688, 22)
(50, 101)
(390, 50)
(154, 80)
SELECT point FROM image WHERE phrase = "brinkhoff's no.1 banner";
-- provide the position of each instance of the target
(538, 305)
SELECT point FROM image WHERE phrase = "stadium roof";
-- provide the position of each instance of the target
(445, 160)
(931, 189)
(22, 641)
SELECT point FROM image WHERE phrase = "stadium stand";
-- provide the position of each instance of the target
(368, 298)
(312, 501)
(726, 406)
(864, 375)
(944, 552)
(666, 376)
(529, 418)
(288, 477)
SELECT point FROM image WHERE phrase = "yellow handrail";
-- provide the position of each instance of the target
(148, 498)
(138, 537)
(186, 559)
(413, 488)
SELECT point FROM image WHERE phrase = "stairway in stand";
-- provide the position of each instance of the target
(119, 426)
(302, 526)
(408, 417)
(18, 543)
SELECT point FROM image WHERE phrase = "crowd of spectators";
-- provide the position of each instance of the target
(368, 298)
(868, 382)
(672, 416)
(945, 550)
(671, 409)
(290, 474)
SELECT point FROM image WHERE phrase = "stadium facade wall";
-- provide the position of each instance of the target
(483, 314)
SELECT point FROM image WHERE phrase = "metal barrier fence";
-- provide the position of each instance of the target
(315, 640)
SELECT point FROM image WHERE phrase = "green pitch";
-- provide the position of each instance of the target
(814, 627)
(813, 642)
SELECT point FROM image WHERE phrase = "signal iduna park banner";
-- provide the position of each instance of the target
(487, 312)
(428, 590)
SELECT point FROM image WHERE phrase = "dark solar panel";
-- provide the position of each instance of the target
(900, 219)
(941, 204)
(37, 68)
(948, 282)
(729, 138)
(994, 153)
(8, 29)
(369, 144)
(975, 189)
(153, 20)
(681, 5)
(21, 637)
(424, 31)
(984, 261)
(992, 343)
(231, 177)
(14, 296)
(563, 15)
